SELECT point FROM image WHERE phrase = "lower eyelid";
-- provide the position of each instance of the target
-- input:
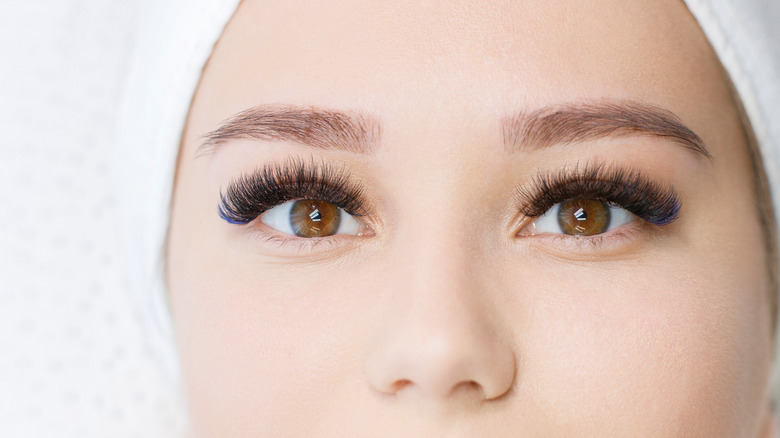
(264, 236)
(612, 242)
(268, 241)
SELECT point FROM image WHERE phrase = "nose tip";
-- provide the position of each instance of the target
(442, 367)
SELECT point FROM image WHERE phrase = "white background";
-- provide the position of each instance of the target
(75, 357)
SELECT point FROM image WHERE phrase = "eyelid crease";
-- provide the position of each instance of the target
(251, 195)
(626, 188)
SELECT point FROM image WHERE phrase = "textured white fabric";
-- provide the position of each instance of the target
(75, 359)
(171, 46)
(746, 36)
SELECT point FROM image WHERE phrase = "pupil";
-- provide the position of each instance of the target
(314, 218)
(583, 217)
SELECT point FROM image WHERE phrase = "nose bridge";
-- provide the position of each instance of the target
(439, 260)
(438, 271)
(439, 337)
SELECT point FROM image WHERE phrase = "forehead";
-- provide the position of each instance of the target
(410, 60)
(609, 45)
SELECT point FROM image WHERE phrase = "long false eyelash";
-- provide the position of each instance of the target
(251, 195)
(628, 189)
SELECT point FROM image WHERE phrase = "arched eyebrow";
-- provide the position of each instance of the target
(359, 133)
(315, 127)
(579, 122)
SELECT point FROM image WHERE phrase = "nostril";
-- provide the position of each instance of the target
(470, 387)
(399, 385)
(461, 389)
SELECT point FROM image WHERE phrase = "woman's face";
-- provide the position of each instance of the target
(508, 231)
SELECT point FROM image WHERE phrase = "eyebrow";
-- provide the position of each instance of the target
(579, 122)
(318, 128)
(359, 133)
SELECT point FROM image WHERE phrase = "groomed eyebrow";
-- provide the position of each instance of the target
(318, 128)
(359, 133)
(579, 122)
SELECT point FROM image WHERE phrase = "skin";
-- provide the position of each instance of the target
(443, 321)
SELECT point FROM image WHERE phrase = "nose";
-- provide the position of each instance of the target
(441, 336)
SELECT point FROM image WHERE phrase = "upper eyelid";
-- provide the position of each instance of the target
(241, 203)
(529, 195)
(636, 192)
(250, 195)
(532, 190)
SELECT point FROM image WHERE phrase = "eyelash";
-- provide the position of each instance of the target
(628, 189)
(249, 196)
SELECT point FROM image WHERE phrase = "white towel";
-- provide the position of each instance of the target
(745, 34)
(173, 43)
(73, 355)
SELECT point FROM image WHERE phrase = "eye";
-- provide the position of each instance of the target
(310, 218)
(581, 217)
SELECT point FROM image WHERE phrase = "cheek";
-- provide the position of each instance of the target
(257, 341)
(262, 345)
(686, 340)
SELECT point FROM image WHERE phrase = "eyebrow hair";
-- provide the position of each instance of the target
(578, 122)
(319, 128)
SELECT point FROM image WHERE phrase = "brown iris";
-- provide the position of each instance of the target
(312, 218)
(583, 217)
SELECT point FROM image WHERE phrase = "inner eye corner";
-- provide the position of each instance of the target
(519, 223)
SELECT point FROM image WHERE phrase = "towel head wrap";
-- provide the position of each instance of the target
(177, 37)
(172, 44)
